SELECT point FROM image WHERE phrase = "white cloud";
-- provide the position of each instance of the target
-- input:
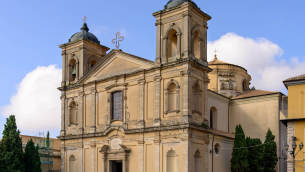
(261, 57)
(36, 104)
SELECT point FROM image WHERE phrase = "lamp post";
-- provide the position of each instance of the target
(293, 152)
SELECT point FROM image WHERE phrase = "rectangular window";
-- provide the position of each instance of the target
(116, 105)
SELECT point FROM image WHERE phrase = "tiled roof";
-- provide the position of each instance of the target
(296, 78)
(254, 93)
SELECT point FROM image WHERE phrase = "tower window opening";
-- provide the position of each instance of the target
(172, 43)
(73, 70)
(196, 45)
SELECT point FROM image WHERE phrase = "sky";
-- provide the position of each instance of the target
(266, 37)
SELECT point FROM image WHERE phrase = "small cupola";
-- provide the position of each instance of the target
(84, 34)
(175, 3)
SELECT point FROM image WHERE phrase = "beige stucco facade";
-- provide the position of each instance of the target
(162, 123)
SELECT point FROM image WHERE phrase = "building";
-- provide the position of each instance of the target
(49, 156)
(121, 112)
(295, 121)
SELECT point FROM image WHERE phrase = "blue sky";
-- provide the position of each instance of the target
(32, 30)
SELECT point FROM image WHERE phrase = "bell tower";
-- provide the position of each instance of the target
(80, 55)
(181, 32)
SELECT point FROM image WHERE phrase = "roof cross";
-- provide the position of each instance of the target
(118, 38)
(85, 19)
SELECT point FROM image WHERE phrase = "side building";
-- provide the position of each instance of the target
(255, 110)
(295, 122)
(49, 156)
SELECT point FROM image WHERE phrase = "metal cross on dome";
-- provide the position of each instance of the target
(118, 38)
(85, 19)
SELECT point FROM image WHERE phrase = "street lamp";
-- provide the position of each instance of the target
(293, 152)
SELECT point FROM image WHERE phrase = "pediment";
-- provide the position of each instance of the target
(118, 63)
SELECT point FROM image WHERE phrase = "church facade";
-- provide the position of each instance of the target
(124, 113)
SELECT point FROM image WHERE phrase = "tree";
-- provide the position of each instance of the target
(255, 155)
(239, 161)
(270, 156)
(48, 140)
(11, 148)
(31, 158)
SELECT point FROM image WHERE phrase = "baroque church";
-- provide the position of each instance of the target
(124, 113)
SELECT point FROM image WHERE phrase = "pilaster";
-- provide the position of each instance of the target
(141, 102)
(81, 111)
(157, 103)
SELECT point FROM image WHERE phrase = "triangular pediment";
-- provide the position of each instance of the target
(118, 63)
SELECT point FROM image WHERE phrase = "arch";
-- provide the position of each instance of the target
(171, 161)
(73, 69)
(213, 118)
(197, 161)
(172, 27)
(197, 98)
(172, 96)
(72, 164)
(73, 113)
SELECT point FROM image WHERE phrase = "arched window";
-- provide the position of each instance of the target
(73, 113)
(198, 163)
(172, 43)
(171, 161)
(197, 98)
(213, 118)
(72, 164)
(172, 97)
(196, 45)
(117, 106)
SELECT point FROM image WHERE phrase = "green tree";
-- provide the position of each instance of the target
(239, 161)
(11, 148)
(270, 156)
(255, 155)
(48, 140)
(31, 157)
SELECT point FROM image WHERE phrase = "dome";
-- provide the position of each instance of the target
(175, 3)
(84, 34)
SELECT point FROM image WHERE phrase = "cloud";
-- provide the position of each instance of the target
(36, 104)
(261, 57)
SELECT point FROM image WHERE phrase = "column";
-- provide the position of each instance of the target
(157, 103)
(164, 57)
(178, 46)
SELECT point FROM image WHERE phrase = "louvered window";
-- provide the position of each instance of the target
(116, 106)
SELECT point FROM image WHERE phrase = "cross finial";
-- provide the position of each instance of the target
(118, 38)
(85, 19)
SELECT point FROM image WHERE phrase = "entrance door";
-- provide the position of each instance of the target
(116, 166)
